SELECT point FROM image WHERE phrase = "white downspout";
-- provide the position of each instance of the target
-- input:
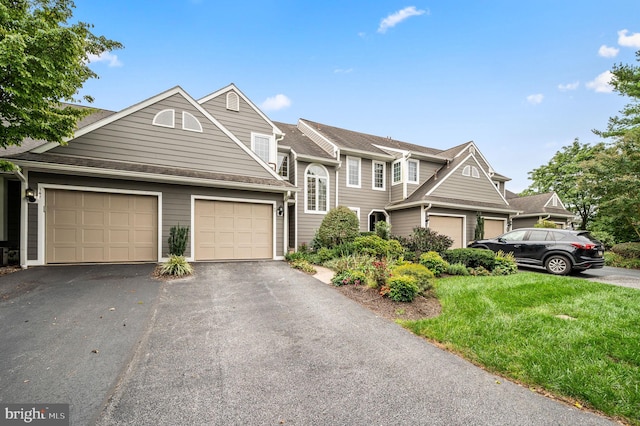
(24, 216)
(424, 215)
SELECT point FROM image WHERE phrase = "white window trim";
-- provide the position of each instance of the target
(373, 175)
(306, 208)
(161, 113)
(273, 155)
(356, 210)
(186, 114)
(348, 174)
(417, 163)
(393, 175)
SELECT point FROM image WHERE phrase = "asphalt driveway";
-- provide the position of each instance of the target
(238, 343)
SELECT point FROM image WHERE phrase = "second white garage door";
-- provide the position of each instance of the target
(493, 228)
(226, 230)
(450, 226)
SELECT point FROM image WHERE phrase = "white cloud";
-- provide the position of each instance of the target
(343, 70)
(608, 52)
(276, 102)
(601, 83)
(628, 41)
(399, 16)
(535, 99)
(111, 59)
(568, 86)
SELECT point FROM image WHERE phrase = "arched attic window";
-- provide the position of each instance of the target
(191, 123)
(165, 118)
(471, 171)
(233, 101)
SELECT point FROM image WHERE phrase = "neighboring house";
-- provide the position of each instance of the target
(535, 208)
(247, 187)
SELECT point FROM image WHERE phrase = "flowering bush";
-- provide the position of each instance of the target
(350, 277)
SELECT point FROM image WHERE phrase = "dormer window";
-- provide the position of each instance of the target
(471, 171)
(233, 101)
(413, 171)
(396, 172)
(265, 147)
(165, 118)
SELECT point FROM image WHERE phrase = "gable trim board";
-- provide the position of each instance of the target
(41, 201)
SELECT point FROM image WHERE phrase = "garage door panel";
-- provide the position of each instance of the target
(452, 227)
(233, 230)
(493, 228)
(100, 227)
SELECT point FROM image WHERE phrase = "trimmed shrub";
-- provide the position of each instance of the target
(480, 271)
(627, 250)
(350, 277)
(383, 229)
(423, 240)
(402, 288)
(458, 269)
(504, 264)
(297, 255)
(545, 224)
(434, 262)
(324, 254)
(424, 277)
(340, 225)
(176, 266)
(605, 238)
(344, 249)
(471, 257)
(375, 246)
(615, 260)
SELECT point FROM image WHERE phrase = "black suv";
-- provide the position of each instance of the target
(559, 250)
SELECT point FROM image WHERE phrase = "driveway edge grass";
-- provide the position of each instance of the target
(578, 340)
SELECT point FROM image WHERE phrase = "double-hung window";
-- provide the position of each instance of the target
(353, 172)
(396, 172)
(379, 175)
(264, 147)
(283, 165)
(412, 171)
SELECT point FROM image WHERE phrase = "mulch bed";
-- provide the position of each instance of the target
(421, 307)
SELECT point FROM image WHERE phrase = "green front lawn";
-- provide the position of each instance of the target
(572, 337)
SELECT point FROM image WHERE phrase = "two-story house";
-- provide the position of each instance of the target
(247, 187)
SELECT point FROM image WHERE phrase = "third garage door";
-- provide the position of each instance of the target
(226, 230)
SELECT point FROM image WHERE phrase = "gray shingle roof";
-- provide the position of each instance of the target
(48, 158)
(349, 139)
(299, 142)
(535, 204)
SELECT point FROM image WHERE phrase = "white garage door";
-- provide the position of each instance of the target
(450, 226)
(226, 230)
(100, 227)
(493, 228)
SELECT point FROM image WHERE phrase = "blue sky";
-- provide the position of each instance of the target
(521, 79)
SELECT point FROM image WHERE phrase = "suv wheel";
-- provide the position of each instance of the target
(558, 265)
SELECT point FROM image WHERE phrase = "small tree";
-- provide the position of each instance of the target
(479, 232)
(340, 225)
(178, 237)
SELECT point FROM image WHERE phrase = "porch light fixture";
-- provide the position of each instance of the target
(426, 220)
(280, 211)
(30, 195)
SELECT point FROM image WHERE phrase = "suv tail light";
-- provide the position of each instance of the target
(586, 246)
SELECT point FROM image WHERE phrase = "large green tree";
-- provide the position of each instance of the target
(44, 61)
(618, 167)
(565, 174)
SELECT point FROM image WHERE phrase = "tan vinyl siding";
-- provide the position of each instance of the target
(403, 221)
(176, 203)
(365, 198)
(134, 139)
(241, 123)
(397, 193)
(468, 188)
